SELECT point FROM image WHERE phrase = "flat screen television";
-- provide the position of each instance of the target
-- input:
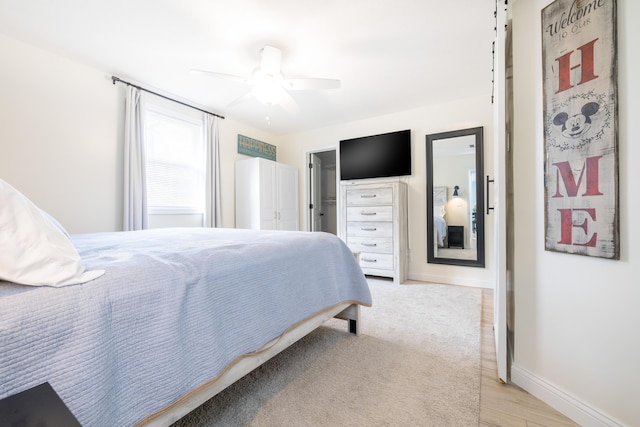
(376, 156)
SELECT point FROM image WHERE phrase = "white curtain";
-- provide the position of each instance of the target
(135, 181)
(213, 216)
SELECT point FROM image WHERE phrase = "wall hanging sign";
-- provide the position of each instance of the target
(580, 127)
(254, 148)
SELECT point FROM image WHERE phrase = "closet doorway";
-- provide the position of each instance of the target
(322, 212)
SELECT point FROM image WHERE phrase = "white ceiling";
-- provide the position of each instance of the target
(390, 55)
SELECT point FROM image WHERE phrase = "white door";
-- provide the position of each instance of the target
(499, 199)
(287, 197)
(315, 207)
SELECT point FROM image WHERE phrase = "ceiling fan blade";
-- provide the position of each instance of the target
(288, 104)
(271, 60)
(247, 96)
(222, 76)
(311, 84)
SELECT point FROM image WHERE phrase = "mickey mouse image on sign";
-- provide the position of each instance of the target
(578, 124)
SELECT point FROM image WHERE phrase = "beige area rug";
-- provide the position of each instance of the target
(416, 363)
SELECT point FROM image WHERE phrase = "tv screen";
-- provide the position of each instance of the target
(376, 156)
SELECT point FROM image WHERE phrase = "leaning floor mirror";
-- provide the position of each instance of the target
(455, 198)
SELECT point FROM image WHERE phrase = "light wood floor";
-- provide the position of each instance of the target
(508, 404)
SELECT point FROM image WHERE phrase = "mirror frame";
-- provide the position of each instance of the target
(480, 259)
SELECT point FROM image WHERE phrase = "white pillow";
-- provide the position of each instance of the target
(438, 211)
(55, 222)
(33, 250)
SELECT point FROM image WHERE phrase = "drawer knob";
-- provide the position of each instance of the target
(367, 196)
(368, 228)
(367, 213)
(368, 244)
(369, 260)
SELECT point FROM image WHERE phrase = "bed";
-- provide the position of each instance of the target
(439, 225)
(170, 317)
(439, 211)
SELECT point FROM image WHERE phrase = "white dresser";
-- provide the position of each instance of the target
(374, 225)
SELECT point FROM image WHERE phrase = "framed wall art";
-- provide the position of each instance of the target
(254, 148)
(579, 57)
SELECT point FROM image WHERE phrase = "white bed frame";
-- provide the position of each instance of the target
(247, 363)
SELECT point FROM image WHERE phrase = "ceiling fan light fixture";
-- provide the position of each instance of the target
(270, 87)
(268, 91)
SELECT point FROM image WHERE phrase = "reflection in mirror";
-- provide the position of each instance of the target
(455, 208)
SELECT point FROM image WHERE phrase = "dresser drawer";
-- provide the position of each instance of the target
(369, 213)
(370, 196)
(370, 244)
(369, 229)
(377, 261)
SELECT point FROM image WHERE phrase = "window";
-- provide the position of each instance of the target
(175, 162)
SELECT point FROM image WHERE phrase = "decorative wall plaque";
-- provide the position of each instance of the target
(579, 58)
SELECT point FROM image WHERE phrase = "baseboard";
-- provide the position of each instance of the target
(450, 280)
(563, 402)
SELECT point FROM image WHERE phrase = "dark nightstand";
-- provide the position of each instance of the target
(39, 406)
(455, 236)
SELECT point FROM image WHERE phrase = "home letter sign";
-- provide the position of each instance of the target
(580, 127)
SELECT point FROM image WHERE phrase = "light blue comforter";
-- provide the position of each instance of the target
(441, 229)
(173, 309)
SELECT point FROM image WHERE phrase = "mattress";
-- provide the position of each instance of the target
(174, 308)
(441, 229)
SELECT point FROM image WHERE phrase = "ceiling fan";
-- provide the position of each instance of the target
(269, 85)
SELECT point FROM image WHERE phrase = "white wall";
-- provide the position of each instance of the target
(454, 115)
(576, 318)
(61, 138)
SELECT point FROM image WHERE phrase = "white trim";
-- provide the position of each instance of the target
(578, 411)
(176, 210)
(306, 184)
